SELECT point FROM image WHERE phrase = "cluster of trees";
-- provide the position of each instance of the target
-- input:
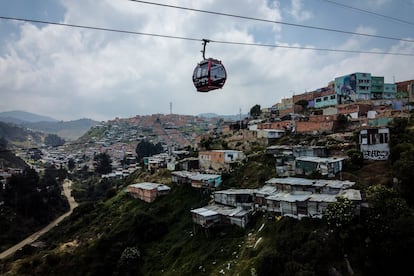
(54, 140)
(146, 149)
(402, 158)
(34, 197)
(103, 163)
(30, 201)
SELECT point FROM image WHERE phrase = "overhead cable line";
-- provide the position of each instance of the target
(94, 28)
(272, 21)
(199, 39)
(369, 12)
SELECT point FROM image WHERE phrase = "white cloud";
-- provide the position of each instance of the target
(297, 11)
(377, 4)
(70, 73)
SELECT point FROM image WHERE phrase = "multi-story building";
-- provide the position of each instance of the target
(390, 91)
(377, 87)
(405, 89)
(353, 87)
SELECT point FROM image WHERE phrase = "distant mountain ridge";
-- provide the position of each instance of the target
(18, 117)
(70, 130)
(225, 117)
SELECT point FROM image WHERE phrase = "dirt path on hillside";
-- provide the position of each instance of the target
(72, 203)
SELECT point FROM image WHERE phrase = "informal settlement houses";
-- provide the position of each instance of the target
(291, 196)
(148, 191)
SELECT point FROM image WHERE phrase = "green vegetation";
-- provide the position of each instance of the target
(103, 163)
(30, 202)
(255, 111)
(146, 149)
(120, 235)
(125, 236)
(53, 140)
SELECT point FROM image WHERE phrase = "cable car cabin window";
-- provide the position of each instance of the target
(217, 72)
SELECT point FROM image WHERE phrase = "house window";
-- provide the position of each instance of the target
(364, 139)
(383, 138)
(325, 98)
(333, 97)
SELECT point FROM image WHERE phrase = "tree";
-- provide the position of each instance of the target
(356, 158)
(3, 143)
(53, 140)
(71, 164)
(402, 157)
(255, 111)
(103, 163)
(340, 214)
(146, 149)
(388, 226)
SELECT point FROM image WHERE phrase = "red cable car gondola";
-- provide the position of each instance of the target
(209, 74)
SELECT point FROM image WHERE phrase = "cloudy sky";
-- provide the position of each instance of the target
(70, 73)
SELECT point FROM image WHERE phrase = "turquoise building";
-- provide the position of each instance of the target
(353, 87)
(363, 86)
(325, 101)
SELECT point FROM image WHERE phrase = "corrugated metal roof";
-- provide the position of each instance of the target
(320, 159)
(323, 198)
(202, 177)
(291, 181)
(150, 186)
(235, 191)
(277, 196)
(297, 196)
(351, 194)
(266, 190)
(196, 175)
(204, 212)
(214, 209)
(296, 181)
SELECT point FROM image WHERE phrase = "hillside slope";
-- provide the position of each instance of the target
(18, 117)
(125, 236)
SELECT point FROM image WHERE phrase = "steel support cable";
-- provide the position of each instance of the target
(272, 21)
(200, 39)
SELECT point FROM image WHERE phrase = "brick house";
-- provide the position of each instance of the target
(147, 191)
(219, 160)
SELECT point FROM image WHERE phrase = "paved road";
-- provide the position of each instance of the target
(35, 236)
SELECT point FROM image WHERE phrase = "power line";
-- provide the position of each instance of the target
(272, 21)
(369, 12)
(199, 39)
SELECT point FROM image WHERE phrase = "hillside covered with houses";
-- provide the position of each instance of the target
(318, 184)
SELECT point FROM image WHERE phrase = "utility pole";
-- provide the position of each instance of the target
(170, 108)
(240, 118)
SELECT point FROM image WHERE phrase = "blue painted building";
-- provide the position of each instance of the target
(353, 87)
(325, 101)
(363, 86)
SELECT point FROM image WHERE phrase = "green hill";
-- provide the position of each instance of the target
(69, 130)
